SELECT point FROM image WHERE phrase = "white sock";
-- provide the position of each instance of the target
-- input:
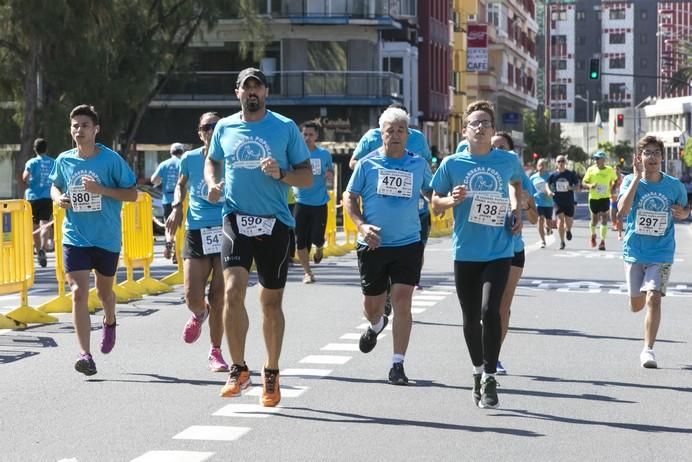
(486, 375)
(378, 327)
(478, 369)
(397, 358)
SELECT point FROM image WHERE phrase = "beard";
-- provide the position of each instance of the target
(253, 105)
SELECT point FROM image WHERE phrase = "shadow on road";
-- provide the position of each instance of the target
(576, 333)
(604, 383)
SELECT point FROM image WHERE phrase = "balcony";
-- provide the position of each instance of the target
(360, 88)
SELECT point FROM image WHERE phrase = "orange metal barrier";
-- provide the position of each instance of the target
(177, 277)
(17, 263)
(350, 229)
(138, 246)
(331, 248)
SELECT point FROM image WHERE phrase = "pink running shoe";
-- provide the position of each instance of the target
(193, 327)
(216, 362)
(107, 337)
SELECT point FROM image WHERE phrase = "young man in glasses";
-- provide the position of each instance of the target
(561, 186)
(202, 250)
(262, 154)
(649, 201)
(166, 175)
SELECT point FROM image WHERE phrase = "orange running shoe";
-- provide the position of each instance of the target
(271, 394)
(238, 380)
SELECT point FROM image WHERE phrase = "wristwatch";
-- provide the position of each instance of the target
(282, 174)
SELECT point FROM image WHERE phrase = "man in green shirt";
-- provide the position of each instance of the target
(599, 180)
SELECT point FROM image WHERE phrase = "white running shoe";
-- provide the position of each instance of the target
(648, 359)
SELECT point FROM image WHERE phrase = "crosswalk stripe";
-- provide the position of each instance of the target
(325, 359)
(247, 410)
(286, 392)
(297, 372)
(173, 456)
(340, 347)
(211, 433)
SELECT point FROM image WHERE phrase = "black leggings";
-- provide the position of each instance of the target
(479, 287)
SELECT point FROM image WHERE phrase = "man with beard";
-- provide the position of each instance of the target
(262, 154)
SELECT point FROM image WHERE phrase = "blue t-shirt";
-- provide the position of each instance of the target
(168, 171)
(490, 175)
(321, 163)
(527, 186)
(372, 140)
(93, 228)
(242, 145)
(200, 212)
(655, 201)
(378, 180)
(38, 184)
(540, 197)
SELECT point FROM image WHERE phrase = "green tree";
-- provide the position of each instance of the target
(541, 136)
(687, 153)
(576, 153)
(682, 78)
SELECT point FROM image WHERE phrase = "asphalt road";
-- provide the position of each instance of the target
(575, 390)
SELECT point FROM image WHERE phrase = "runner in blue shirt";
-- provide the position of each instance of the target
(91, 182)
(486, 217)
(166, 174)
(311, 203)
(388, 182)
(543, 201)
(649, 201)
(202, 250)
(262, 154)
(35, 176)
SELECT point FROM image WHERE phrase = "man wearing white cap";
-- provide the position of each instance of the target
(166, 175)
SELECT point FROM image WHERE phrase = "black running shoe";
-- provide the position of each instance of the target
(569, 235)
(397, 375)
(85, 364)
(388, 305)
(476, 388)
(562, 246)
(369, 338)
(42, 260)
(489, 394)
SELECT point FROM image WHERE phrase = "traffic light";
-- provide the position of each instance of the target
(594, 69)
(621, 120)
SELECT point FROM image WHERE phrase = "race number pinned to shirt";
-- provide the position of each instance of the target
(488, 209)
(84, 201)
(562, 185)
(394, 183)
(601, 188)
(316, 165)
(252, 226)
(651, 223)
(211, 240)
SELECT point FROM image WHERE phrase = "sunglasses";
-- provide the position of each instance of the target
(561, 161)
(207, 127)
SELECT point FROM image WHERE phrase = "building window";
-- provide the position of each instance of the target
(562, 15)
(617, 63)
(581, 15)
(643, 63)
(558, 92)
(616, 91)
(558, 113)
(617, 38)
(617, 13)
(560, 64)
(643, 14)
(643, 39)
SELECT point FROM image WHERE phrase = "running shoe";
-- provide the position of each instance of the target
(648, 359)
(601, 246)
(107, 337)
(168, 250)
(397, 375)
(562, 245)
(85, 364)
(542, 244)
(271, 392)
(489, 394)
(388, 305)
(593, 241)
(369, 338)
(308, 278)
(569, 234)
(216, 361)
(193, 327)
(238, 380)
(319, 253)
(500, 369)
(42, 260)
(476, 388)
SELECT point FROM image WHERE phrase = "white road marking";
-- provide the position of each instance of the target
(423, 303)
(350, 336)
(340, 347)
(173, 456)
(297, 372)
(247, 410)
(430, 298)
(435, 292)
(325, 359)
(211, 433)
(417, 310)
(286, 392)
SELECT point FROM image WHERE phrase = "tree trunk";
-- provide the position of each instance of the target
(28, 130)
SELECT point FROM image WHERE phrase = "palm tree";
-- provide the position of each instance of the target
(682, 78)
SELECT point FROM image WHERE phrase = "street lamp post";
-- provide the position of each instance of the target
(637, 119)
(588, 116)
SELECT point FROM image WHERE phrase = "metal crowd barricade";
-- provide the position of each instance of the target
(332, 249)
(177, 277)
(17, 263)
(62, 303)
(138, 246)
(350, 229)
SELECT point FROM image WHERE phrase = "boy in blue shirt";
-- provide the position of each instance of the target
(649, 200)
(544, 203)
(166, 174)
(202, 250)
(35, 176)
(311, 203)
(91, 182)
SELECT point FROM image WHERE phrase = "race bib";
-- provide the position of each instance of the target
(562, 186)
(316, 166)
(84, 201)
(252, 226)
(650, 223)
(394, 183)
(601, 188)
(540, 187)
(488, 209)
(211, 240)
(421, 203)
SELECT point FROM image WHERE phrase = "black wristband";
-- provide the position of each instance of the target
(282, 174)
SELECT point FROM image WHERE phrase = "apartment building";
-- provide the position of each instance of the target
(674, 26)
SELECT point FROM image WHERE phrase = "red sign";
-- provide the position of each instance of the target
(477, 48)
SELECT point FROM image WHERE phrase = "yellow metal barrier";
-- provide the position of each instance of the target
(17, 263)
(441, 225)
(138, 246)
(331, 248)
(177, 277)
(350, 229)
(63, 302)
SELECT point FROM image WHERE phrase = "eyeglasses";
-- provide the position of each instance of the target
(561, 161)
(207, 127)
(657, 152)
(480, 123)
